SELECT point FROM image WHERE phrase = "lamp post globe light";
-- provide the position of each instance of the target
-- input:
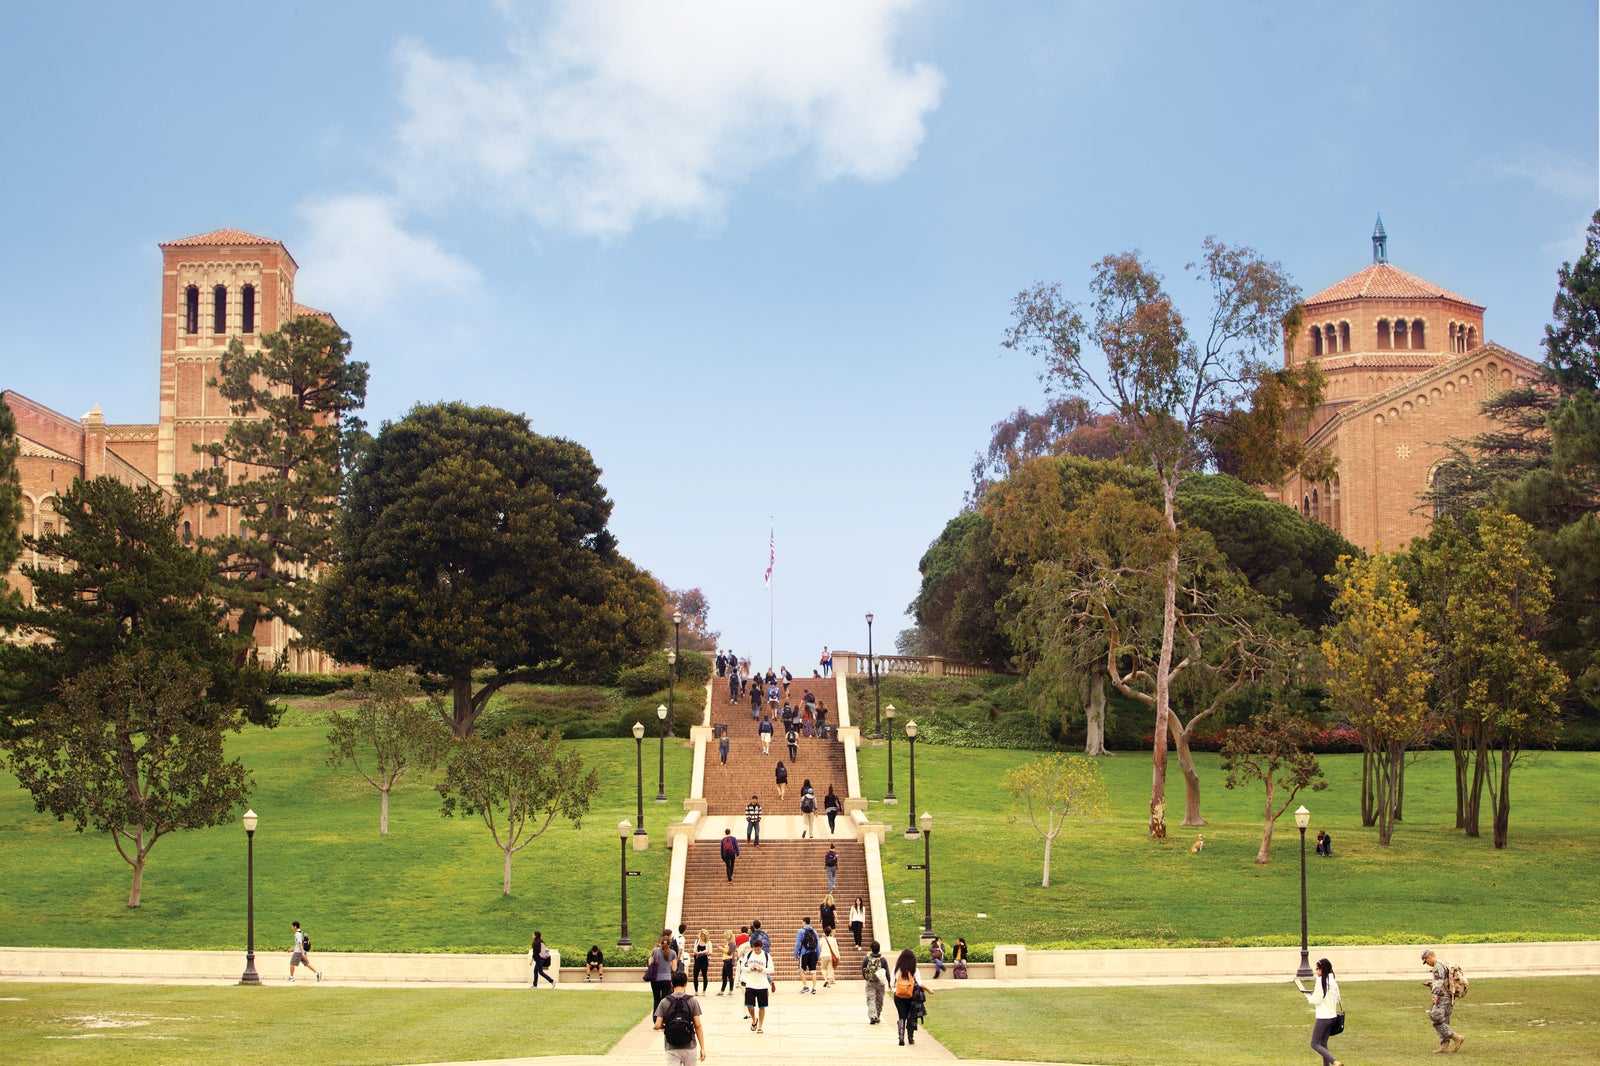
(641, 839)
(1302, 819)
(250, 976)
(911, 811)
(889, 797)
(872, 675)
(661, 761)
(927, 877)
(672, 685)
(623, 832)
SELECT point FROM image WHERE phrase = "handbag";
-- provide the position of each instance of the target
(1338, 1022)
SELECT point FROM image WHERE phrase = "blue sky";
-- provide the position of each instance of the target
(758, 257)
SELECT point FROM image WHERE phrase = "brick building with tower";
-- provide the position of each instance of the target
(214, 287)
(1406, 370)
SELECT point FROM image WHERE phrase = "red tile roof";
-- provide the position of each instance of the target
(1383, 281)
(221, 236)
(302, 309)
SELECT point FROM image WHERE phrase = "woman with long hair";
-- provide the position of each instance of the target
(858, 919)
(659, 971)
(907, 984)
(539, 956)
(1324, 996)
(730, 949)
(701, 982)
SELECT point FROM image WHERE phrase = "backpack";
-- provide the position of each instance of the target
(904, 986)
(808, 941)
(678, 1022)
(807, 804)
(1456, 983)
(305, 944)
(727, 847)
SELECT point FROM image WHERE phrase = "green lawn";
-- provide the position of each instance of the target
(134, 1025)
(434, 884)
(1521, 1022)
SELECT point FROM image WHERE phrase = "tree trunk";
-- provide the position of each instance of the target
(505, 884)
(138, 877)
(1369, 809)
(1169, 625)
(1264, 856)
(1094, 715)
(1480, 774)
(1048, 841)
(1387, 773)
(1458, 751)
(461, 713)
(1191, 776)
(1502, 806)
(383, 811)
(1399, 788)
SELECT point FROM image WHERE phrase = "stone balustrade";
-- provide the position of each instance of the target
(854, 664)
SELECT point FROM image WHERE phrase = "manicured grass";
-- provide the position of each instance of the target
(434, 884)
(1520, 1022)
(1112, 886)
(135, 1025)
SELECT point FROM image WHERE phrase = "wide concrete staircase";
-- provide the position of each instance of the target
(784, 880)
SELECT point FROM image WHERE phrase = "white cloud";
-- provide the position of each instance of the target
(1550, 171)
(360, 259)
(613, 111)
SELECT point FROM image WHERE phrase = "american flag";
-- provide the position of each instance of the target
(772, 555)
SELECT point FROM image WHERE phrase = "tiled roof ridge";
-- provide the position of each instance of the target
(34, 450)
(220, 236)
(1386, 281)
(302, 309)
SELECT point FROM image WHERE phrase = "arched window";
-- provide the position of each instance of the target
(1316, 341)
(1305, 506)
(1344, 336)
(1472, 338)
(1316, 505)
(1418, 338)
(191, 310)
(187, 535)
(1400, 341)
(219, 309)
(247, 309)
(1330, 340)
(1383, 335)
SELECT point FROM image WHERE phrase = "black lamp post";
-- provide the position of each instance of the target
(250, 976)
(872, 674)
(672, 670)
(889, 797)
(1302, 818)
(927, 877)
(623, 832)
(641, 839)
(911, 812)
(661, 762)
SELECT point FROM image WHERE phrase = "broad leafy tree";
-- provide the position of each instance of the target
(1378, 671)
(475, 549)
(1273, 748)
(694, 633)
(132, 747)
(1132, 353)
(392, 729)
(1068, 425)
(116, 579)
(1053, 788)
(280, 465)
(517, 783)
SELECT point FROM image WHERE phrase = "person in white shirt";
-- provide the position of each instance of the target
(755, 970)
(1324, 996)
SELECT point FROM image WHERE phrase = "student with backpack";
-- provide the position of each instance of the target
(830, 863)
(755, 971)
(808, 812)
(808, 949)
(780, 778)
(908, 995)
(678, 1018)
(730, 851)
(539, 959)
(875, 974)
(300, 954)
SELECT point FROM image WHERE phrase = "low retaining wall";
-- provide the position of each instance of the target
(1015, 962)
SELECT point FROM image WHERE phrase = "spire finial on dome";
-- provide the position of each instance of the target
(1380, 241)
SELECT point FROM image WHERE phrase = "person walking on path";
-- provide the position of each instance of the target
(875, 974)
(793, 740)
(808, 813)
(759, 936)
(765, 730)
(830, 863)
(830, 955)
(659, 970)
(752, 822)
(1324, 996)
(300, 954)
(907, 983)
(780, 777)
(830, 807)
(755, 971)
(678, 1019)
(827, 912)
(539, 959)
(733, 686)
(822, 721)
(858, 919)
(1444, 1004)
(807, 949)
(702, 963)
(730, 851)
(730, 951)
(722, 744)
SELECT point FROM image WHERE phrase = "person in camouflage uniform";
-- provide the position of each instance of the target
(875, 963)
(1443, 1004)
